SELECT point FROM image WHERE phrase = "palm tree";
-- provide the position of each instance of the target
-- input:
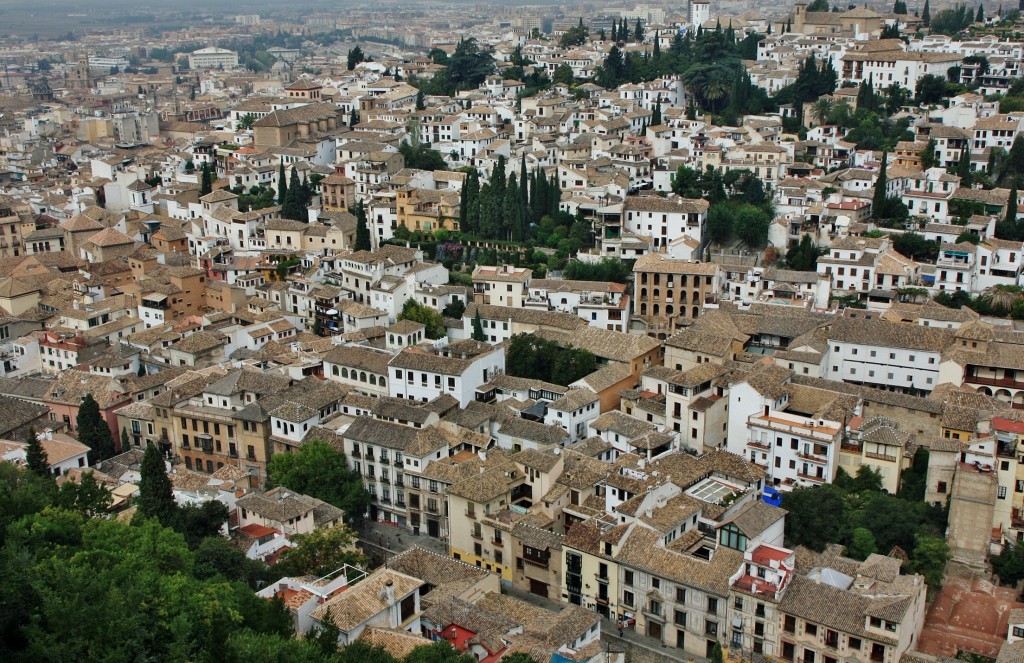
(1002, 298)
(715, 90)
(821, 110)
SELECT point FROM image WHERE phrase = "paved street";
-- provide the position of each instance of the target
(380, 541)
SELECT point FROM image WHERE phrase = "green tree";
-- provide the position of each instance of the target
(563, 75)
(929, 558)
(928, 154)
(818, 6)
(574, 36)
(322, 551)
(362, 229)
(156, 498)
(638, 32)
(320, 471)
(247, 646)
(980, 16)
(282, 184)
(246, 121)
(36, 459)
(426, 316)
(804, 256)
(87, 497)
(862, 543)
(881, 182)
(1011, 206)
(478, 328)
(816, 516)
(926, 14)
(93, 431)
(206, 183)
(438, 652)
(355, 56)
(717, 654)
(420, 105)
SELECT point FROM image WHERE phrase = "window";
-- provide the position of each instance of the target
(654, 607)
(679, 618)
(789, 624)
(853, 643)
(680, 595)
(711, 628)
(1001, 492)
(627, 598)
(811, 629)
(712, 605)
(628, 578)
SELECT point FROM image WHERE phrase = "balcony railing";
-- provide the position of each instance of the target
(886, 457)
(498, 543)
(471, 514)
(431, 509)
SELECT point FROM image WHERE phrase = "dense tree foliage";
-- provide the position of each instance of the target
(530, 356)
(740, 206)
(855, 512)
(465, 69)
(804, 256)
(425, 315)
(609, 269)
(319, 470)
(93, 431)
(362, 228)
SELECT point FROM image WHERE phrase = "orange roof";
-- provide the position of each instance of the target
(258, 531)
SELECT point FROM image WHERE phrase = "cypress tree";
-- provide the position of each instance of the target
(509, 204)
(362, 229)
(35, 456)
(93, 431)
(472, 191)
(638, 32)
(656, 116)
(156, 498)
(478, 328)
(926, 14)
(980, 16)
(963, 168)
(206, 183)
(420, 105)
(282, 184)
(878, 200)
(524, 190)
(657, 46)
(1011, 205)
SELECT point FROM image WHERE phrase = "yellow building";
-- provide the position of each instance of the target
(478, 532)
(427, 210)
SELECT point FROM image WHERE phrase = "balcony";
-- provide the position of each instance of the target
(814, 458)
(400, 504)
(471, 515)
(431, 509)
(477, 535)
(994, 382)
(356, 454)
(497, 543)
(759, 445)
(811, 477)
(885, 457)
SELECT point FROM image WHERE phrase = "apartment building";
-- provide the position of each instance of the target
(456, 370)
(502, 285)
(886, 355)
(670, 292)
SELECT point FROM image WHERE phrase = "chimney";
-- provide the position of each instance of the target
(389, 592)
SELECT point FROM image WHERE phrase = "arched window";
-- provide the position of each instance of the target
(334, 370)
(362, 376)
(344, 373)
